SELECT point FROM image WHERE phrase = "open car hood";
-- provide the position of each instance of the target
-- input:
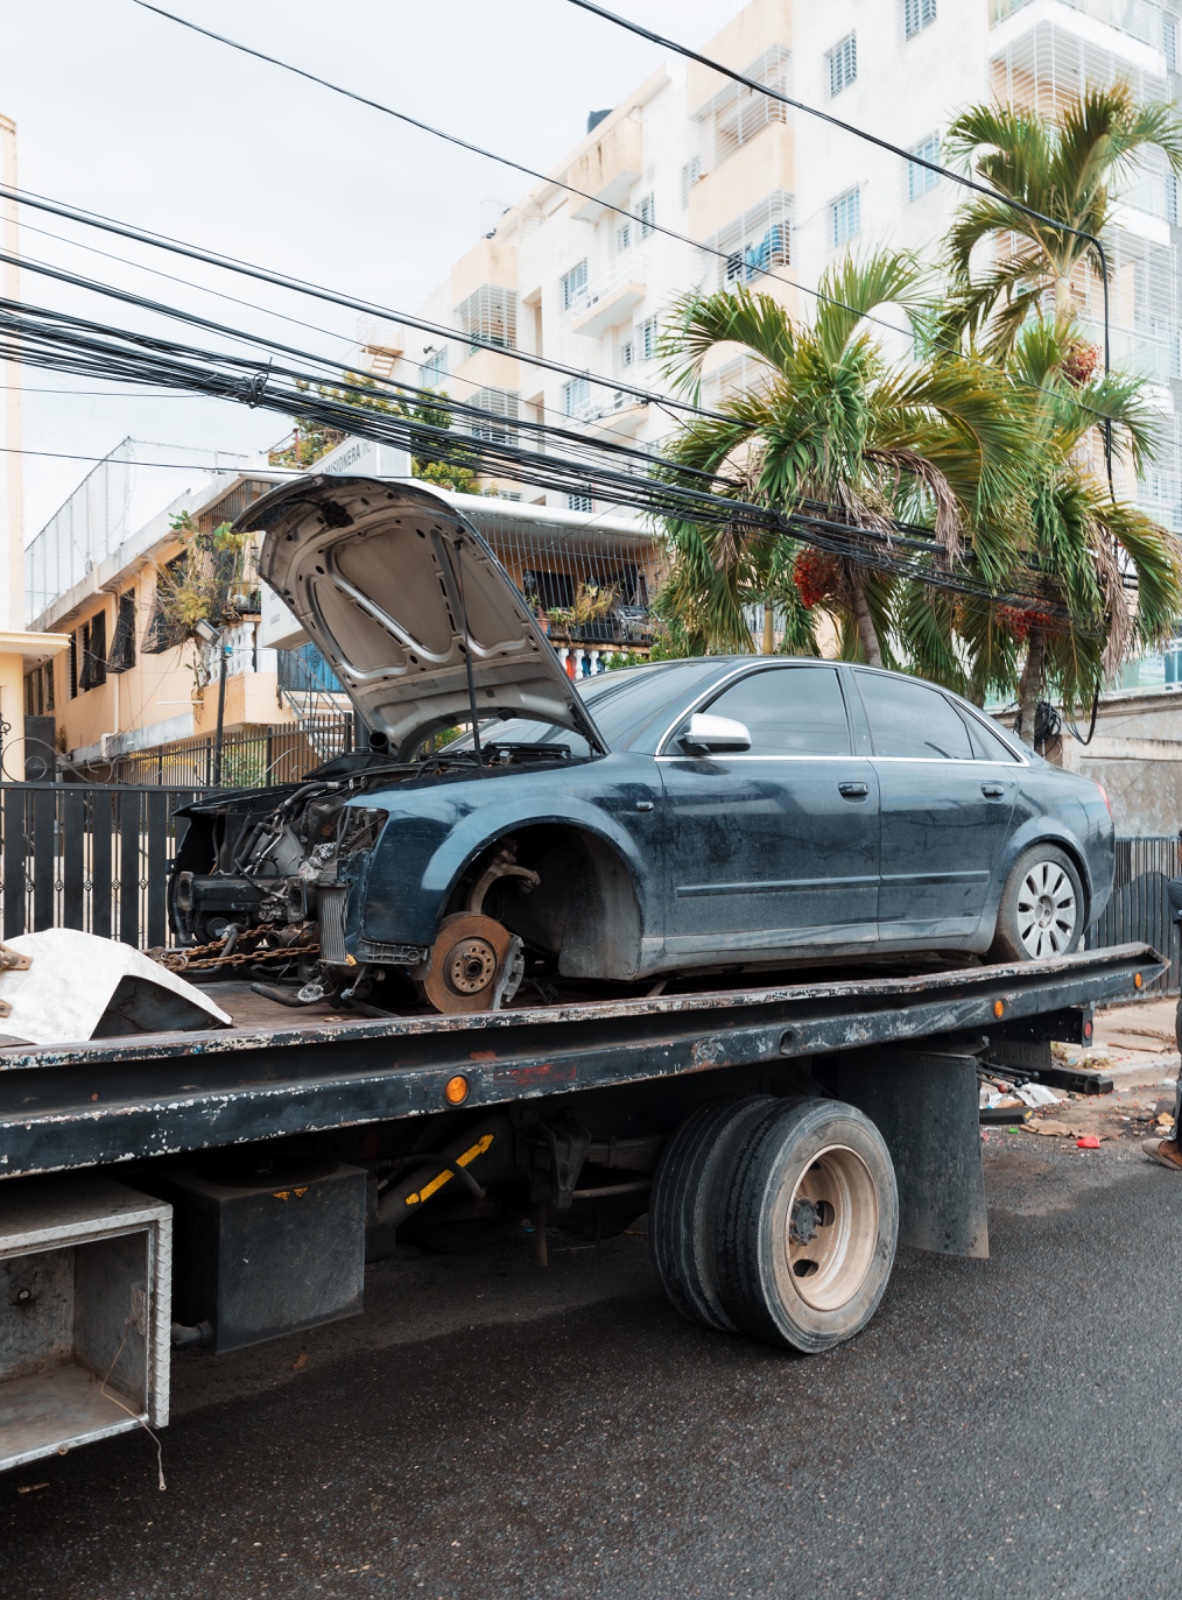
(394, 587)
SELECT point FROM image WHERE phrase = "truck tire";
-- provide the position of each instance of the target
(1042, 907)
(804, 1235)
(701, 1153)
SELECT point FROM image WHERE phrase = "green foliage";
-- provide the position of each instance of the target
(994, 456)
(311, 440)
(1066, 170)
(831, 419)
(201, 582)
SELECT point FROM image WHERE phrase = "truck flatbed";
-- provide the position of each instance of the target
(136, 1097)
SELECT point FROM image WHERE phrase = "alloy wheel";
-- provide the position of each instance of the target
(1047, 911)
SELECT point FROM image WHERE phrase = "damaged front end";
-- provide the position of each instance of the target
(425, 633)
(272, 887)
(262, 889)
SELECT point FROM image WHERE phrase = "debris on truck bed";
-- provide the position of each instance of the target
(63, 986)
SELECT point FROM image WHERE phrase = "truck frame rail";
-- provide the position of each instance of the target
(121, 1100)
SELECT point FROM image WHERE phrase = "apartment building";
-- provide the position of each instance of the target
(126, 680)
(771, 197)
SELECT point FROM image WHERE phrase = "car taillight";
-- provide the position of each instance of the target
(1104, 795)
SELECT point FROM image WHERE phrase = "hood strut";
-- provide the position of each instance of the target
(457, 544)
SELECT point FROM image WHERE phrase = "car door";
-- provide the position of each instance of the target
(945, 811)
(775, 847)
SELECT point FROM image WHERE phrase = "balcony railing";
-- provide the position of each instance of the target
(610, 288)
(1140, 19)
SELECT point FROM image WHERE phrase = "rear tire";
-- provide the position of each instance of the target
(804, 1236)
(1042, 907)
(699, 1156)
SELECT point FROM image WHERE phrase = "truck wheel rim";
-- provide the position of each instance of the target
(1046, 911)
(831, 1231)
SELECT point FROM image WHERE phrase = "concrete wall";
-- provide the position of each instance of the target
(1136, 753)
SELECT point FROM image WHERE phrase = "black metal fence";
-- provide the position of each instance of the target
(1138, 911)
(89, 858)
(282, 754)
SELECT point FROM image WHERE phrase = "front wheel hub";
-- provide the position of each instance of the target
(474, 965)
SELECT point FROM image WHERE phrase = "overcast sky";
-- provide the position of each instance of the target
(124, 113)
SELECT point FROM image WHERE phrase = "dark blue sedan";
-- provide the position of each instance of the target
(713, 814)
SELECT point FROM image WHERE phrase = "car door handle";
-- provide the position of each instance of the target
(854, 791)
(993, 791)
(644, 805)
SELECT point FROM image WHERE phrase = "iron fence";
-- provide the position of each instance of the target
(1139, 911)
(95, 859)
(282, 754)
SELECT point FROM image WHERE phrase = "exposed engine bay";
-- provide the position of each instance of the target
(261, 885)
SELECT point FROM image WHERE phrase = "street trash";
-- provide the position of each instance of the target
(1037, 1094)
(1088, 1142)
(67, 986)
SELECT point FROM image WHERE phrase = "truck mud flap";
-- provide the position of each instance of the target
(925, 1106)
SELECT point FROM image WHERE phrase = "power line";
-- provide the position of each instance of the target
(172, 466)
(219, 294)
(367, 307)
(46, 338)
(648, 223)
(395, 389)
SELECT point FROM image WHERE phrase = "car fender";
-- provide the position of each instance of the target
(1042, 829)
(403, 903)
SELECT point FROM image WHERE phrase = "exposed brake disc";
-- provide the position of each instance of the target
(475, 965)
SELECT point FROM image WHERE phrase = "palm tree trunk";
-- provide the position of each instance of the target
(1030, 684)
(863, 620)
(769, 630)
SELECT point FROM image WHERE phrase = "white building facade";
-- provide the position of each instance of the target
(775, 196)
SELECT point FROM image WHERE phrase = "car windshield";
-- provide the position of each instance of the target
(622, 704)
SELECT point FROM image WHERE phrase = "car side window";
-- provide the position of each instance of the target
(789, 711)
(913, 720)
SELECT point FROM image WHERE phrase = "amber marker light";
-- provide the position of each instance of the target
(1138, 980)
(999, 1008)
(456, 1090)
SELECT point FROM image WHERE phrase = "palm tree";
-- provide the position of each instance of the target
(833, 420)
(1064, 169)
(1114, 571)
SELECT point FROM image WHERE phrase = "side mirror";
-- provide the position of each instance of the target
(710, 735)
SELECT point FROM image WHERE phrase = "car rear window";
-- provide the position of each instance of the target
(990, 744)
(789, 711)
(912, 720)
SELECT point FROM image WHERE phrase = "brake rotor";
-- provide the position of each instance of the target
(467, 963)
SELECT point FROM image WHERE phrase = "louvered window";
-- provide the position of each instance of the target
(123, 644)
(917, 15)
(842, 64)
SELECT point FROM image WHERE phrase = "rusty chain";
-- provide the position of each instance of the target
(197, 959)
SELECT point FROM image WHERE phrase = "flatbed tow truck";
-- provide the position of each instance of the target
(220, 1188)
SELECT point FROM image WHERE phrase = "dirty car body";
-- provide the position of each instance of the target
(689, 816)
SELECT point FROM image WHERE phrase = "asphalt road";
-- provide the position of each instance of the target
(1004, 1428)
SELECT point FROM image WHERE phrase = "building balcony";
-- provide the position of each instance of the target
(608, 169)
(1132, 29)
(610, 297)
(1139, 18)
(608, 411)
